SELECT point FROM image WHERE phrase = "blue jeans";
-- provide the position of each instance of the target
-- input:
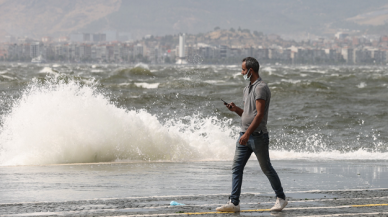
(259, 145)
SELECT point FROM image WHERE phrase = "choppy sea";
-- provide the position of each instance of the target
(70, 131)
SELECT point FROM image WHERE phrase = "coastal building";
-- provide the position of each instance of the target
(379, 56)
(198, 49)
(331, 54)
(36, 49)
(181, 49)
(99, 37)
(224, 50)
(205, 50)
(3, 52)
(85, 51)
(341, 35)
(348, 55)
(138, 50)
(261, 53)
(362, 56)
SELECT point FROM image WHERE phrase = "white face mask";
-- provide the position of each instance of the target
(246, 76)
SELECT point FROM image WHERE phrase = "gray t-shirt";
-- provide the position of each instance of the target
(251, 93)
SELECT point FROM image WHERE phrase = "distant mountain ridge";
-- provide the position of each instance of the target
(39, 18)
(375, 18)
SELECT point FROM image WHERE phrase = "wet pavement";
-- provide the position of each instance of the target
(372, 202)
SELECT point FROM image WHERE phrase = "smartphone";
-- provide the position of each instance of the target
(225, 103)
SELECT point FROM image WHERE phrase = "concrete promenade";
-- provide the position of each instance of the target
(355, 202)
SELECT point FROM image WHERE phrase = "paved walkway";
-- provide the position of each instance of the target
(317, 203)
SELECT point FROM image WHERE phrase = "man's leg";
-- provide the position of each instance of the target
(241, 156)
(261, 150)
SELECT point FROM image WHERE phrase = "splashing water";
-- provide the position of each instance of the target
(66, 122)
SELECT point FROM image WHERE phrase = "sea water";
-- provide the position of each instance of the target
(68, 121)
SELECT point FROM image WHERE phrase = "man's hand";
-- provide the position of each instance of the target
(231, 106)
(244, 139)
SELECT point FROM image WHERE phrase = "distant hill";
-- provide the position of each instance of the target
(54, 17)
(141, 17)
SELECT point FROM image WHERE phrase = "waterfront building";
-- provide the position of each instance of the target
(36, 49)
(348, 55)
(181, 49)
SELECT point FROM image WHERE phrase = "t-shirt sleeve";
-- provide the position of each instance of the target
(261, 92)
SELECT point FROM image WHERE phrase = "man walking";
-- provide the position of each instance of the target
(253, 136)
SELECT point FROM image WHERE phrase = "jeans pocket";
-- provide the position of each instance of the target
(261, 141)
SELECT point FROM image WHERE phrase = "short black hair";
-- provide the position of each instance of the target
(252, 63)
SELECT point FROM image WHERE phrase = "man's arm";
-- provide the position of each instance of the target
(232, 107)
(260, 107)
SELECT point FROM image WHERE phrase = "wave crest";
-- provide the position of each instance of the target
(65, 122)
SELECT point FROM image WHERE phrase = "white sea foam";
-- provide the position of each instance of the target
(185, 79)
(361, 85)
(319, 71)
(124, 84)
(291, 81)
(142, 65)
(71, 123)
(47, 70)
(214, 81)
(147, 85)
(305, 67)
(8, 77)
(328, 155)
(268, 69)
(236, 75)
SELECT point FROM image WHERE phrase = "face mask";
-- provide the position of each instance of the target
(246, 76)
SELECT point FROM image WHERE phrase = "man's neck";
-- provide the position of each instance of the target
(254, 78)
